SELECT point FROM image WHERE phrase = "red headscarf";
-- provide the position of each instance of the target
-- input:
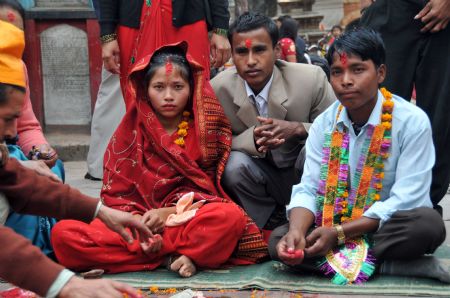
(144, 169)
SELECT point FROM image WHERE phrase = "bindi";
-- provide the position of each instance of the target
(344, 59)
(248, 43)
(169, 67)
(11, 16)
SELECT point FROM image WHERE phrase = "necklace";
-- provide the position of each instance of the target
(182, 131)
(338, 203)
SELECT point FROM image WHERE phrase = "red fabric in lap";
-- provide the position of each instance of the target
(208, 240)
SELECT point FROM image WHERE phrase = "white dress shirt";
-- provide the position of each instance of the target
(260, 100)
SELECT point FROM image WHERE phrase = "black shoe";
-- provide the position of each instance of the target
(89, 177)
(438, 208)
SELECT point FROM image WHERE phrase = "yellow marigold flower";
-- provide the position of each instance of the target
(183, 125)
(381, 175)
(386, 125)
(153, 289)
(386, 117)
(378, 186)
(388, 104)
(376, 197)
(182, 132)
(186, 114)
(386, 93)
(345, 194)
(180, 142)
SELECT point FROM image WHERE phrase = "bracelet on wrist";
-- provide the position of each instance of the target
(340, 234)
(221, 32)
(108, 38)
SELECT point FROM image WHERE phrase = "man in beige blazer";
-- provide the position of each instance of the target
(271, 105)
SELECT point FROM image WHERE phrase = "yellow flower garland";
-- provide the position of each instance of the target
(182, 129)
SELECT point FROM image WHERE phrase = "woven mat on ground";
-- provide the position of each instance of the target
(275, 276)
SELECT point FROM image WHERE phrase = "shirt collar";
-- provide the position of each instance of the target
(264, 92)
(374, 118)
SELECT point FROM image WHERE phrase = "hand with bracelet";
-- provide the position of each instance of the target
(45, 153)
(220, 47)
(322, 239)
(111, 53)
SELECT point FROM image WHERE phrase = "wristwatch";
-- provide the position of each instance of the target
(340, 234)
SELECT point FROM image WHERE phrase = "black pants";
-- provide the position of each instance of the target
(406, 235)
(421, 60)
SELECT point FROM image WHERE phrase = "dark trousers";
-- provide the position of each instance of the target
(420, 60)
(260, 187)
(406, 235)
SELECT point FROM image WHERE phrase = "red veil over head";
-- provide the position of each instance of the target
(144, 169)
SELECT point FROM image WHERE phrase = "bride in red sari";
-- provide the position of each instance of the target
(170, 149)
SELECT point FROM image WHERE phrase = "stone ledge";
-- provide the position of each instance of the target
(60, 13)
(71, 142)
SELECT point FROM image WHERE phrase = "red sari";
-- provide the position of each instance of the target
(145, 169)
(156, 30)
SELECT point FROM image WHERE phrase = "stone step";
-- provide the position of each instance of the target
(71, 142)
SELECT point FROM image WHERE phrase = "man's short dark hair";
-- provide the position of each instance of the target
(249, 21)
(289, 29)
(362, 42)
(4, 91)
(14, 5)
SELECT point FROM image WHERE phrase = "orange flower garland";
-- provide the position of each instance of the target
(182, 129)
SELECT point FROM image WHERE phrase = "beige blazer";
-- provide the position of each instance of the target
(299, 92)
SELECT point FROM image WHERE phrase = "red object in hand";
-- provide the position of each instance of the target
(295, 254)
(299, 254)
(17, 293)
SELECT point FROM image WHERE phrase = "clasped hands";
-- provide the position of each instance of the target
(272, 133)
(317, 243)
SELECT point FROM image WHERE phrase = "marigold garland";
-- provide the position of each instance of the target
(337, 203)
(182, 129)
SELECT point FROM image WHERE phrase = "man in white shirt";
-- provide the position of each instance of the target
(271, 105)
(367, 176)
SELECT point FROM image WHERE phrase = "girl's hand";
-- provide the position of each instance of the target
(154, 221)
(153, 245)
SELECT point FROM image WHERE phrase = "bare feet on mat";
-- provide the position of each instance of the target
(184, 266)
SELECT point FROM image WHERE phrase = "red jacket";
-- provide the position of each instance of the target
(21, 263)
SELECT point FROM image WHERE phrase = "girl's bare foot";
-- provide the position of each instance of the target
(184, 266)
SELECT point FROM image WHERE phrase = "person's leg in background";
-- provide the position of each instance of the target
(433, 96)
(108, 112)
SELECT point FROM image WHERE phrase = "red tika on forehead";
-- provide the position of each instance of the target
(11, 16)
(169, 67)
(343, 58)
(248, 43)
